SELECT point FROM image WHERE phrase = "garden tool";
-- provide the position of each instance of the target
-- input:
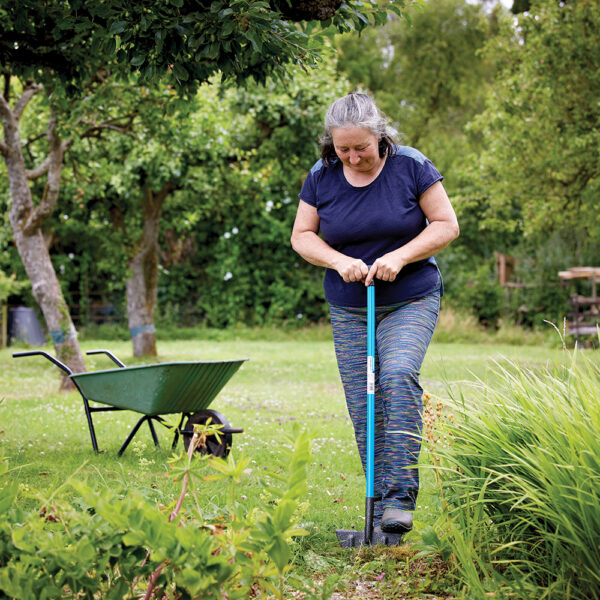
(349, 538)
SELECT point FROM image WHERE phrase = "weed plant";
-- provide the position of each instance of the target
(518, 465)
(118, 547)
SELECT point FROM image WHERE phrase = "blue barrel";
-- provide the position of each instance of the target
(23, 326)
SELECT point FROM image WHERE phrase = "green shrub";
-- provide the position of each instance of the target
(102, 544)
(483, 295)
(9, 285)
(519, 469)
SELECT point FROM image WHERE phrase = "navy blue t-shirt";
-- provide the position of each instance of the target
(369, 221)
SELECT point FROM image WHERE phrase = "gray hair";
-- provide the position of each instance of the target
(356, 110)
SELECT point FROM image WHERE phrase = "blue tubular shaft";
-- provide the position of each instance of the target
(370, 391)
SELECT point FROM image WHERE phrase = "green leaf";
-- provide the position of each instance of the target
(117, 27)
(254, 40)
(193, 581)
(180, 72)
(279, 552)
(228, 28)
(138, 60)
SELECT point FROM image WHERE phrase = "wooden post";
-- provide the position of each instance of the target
(4, 325)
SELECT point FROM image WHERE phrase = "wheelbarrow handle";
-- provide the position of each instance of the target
(109, 354)
(50, 358)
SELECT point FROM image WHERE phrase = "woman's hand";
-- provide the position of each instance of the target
(386, 267)
(352, 269)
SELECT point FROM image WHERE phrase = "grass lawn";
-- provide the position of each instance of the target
(286, 382)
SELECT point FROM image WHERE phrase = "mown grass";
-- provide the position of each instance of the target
(290, 381)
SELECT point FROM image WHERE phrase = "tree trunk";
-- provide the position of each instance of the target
(143, 283)
(26, 221)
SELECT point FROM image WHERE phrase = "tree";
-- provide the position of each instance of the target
(188, 41)
(541, 122)
(139, 172)
(535, 185)
(223, 248)
(62, 47)
(27, 218)
(428, 76)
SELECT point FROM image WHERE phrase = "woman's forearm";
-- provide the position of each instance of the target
(430, 241)
(315, 250)
(434, 238)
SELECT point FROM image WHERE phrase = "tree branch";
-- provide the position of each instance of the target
(34, 139)
(166, 189)
(6, 84)
(38, 171)
(28, 93)
(96, 129)
(5, 112)
(50, 196)
(5, 115)
(42, 169)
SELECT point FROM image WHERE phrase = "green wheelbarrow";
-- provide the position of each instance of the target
(153, 390)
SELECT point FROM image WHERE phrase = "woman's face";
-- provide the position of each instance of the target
(357, 148)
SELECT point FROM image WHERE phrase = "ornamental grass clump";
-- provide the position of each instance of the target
(520, 483)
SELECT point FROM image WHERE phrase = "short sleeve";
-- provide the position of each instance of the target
(308, 191)
(427, 175)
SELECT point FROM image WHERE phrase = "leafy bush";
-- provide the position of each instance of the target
(107, 545)
(519, 467)
(479, 292)
(8, 286)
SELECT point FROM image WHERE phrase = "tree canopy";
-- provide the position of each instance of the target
(185, 41)
(541, 121)
(512, 127)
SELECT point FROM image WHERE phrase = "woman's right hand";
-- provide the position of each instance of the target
(352, 269)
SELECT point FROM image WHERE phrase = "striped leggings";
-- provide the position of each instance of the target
(403, 333)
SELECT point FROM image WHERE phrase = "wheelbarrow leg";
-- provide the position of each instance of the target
(177, 429)
(153, 432)
(88, 415)
(132, 434)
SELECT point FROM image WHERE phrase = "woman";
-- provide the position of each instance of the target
(383, 213)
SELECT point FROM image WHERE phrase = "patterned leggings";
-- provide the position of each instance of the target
(403, 333)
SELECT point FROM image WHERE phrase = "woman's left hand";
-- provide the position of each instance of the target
(386, 267)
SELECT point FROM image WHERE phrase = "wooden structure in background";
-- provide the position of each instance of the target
(505, 267)
(584, 317)
(3, 326)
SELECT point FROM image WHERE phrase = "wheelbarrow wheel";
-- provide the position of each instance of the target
(218, 447)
